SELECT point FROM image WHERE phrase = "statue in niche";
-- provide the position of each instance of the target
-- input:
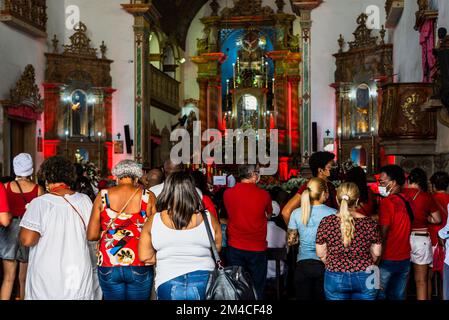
(78, 112)
(362, 108)
(251, 54)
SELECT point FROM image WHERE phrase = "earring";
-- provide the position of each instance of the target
(47, 187)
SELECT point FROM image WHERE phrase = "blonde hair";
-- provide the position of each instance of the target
(315, 188)
(348, 195)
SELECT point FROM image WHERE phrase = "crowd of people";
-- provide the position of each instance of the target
(144, 236)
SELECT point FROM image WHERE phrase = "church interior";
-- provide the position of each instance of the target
(108, 80)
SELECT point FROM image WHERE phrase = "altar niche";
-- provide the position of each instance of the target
(249, 71)
(78, 102)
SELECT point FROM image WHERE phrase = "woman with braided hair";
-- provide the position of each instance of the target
(349, 244)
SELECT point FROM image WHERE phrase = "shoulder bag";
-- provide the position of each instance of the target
(230, 283)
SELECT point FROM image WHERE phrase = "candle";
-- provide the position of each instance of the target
(233, 73)
(227, 87)
(238, 65)
(273, 85)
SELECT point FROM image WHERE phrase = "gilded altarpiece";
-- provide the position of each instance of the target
(249, 71)
(360, 71)
(78, 102)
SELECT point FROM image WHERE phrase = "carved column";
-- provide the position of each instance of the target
(305, 8)
(202, 103)
(214, 104)
(286, 99)
(143, 14)
(294, 114)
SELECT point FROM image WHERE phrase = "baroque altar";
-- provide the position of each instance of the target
(249, 71)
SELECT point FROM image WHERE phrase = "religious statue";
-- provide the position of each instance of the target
(250, 56)
(78, 108)
(362, 108)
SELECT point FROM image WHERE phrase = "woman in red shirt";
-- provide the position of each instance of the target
(19, 193)
(426, 213)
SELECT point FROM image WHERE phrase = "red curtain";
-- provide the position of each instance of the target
(427, 41)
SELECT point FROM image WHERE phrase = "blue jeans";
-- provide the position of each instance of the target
(254, 262)
(190, 286)
(126, 283)
(349, 286)
(393, 279)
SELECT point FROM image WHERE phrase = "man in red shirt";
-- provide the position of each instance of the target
(249, 209)
(321, 164)
(395, 219)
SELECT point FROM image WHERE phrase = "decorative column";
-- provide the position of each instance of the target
(202, 103)
(144, 14)
(287, 101)
(294, 114)
(305, 9)
(210, 88)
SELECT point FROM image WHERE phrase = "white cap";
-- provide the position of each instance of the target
(23, 165)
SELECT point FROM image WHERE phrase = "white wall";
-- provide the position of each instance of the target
(18, 49)
(407, 54)
(332, 18)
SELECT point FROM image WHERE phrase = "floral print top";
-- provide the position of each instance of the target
(118, 245)
(355, 258)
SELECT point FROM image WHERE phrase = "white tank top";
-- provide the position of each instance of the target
(179, 252)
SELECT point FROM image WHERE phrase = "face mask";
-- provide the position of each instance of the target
(383, 191)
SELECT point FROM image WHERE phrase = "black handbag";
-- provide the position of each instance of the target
(230, 283)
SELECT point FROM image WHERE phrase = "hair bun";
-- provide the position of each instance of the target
(345, 197)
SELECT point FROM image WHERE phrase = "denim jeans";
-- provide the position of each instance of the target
(190, 286)
(446, 281)
(393, 279)
(349, 286)
(126, 283)
(254, 262)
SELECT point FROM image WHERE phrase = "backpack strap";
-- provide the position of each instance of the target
(408, 206)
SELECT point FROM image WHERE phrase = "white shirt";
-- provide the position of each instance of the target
(179, 252)
(276, 238)
(157, 190)
(60, 266)
(444, 234)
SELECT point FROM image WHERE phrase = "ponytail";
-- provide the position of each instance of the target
(315, 189)
(347, 222)
(305, 207)
(348, 195)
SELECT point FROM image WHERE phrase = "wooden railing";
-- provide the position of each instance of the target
(25, 14)
(164, 90)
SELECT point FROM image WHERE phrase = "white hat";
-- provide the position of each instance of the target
(276, 209)
(23, 165)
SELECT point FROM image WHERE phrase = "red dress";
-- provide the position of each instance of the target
(17, 202)
(119, 244)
